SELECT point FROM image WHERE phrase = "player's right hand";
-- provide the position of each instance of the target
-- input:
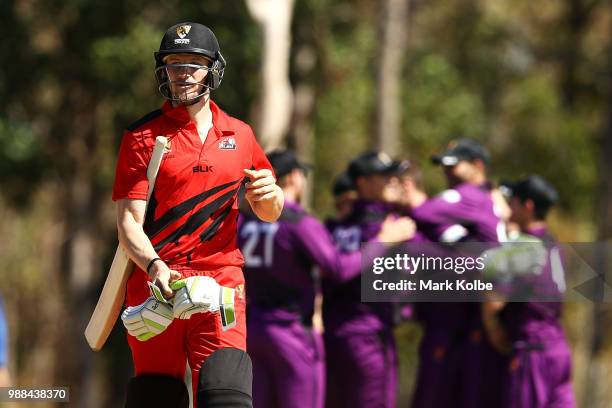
(161, 275)
(147, 319)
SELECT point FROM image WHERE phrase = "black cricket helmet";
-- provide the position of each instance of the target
(188, 38)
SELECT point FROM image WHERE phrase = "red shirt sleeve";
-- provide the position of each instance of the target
(131, 172)
(258, 157)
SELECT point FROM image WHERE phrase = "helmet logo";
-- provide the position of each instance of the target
(183, 30)
(384, 158)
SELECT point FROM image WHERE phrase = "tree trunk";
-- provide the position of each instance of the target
(577, 19)
(79, 256)
(393, 28)
(301, 135)
(276, 102)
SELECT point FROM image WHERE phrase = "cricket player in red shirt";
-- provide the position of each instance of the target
(186, 242)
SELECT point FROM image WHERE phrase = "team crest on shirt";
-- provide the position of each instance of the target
(228, 143)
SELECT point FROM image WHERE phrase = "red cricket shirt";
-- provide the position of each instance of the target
(192, 216)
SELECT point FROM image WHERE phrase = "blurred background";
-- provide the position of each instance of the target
(329, 78)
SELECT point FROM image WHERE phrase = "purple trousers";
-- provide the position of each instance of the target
(539, 377)
(288, 365)
(456, 369)
(361, 370)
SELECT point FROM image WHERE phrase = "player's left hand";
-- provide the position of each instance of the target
(262, 186)
(199, 294)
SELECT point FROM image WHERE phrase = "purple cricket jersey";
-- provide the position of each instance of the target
(359, 341)
(280, 258)
(467, 205)
(539, 321)
(343, 311)
(538, 374)
(464, 213)
(453, 353)
(280, 261)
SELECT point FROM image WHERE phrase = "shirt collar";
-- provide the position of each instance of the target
(220, 119)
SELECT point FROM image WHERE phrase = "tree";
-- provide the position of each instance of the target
(393, 28)
(276, 101)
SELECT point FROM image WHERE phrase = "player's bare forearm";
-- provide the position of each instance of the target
(130, 218)
(264, 196)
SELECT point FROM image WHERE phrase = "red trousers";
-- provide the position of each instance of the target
(190, 340)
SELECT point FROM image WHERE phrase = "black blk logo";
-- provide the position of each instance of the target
(202, 169)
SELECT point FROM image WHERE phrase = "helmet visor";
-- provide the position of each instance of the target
(182, 82)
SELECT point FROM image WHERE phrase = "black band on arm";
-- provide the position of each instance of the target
(151, 264)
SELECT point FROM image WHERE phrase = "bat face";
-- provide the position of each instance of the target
(111, 299)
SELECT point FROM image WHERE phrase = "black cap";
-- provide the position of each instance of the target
(284, 161)
(342, 184)
(188, 38)
(370, 163)
(462, 149)
(534, 188)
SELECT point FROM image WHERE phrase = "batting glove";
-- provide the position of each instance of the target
(199, 294)
(148, 319)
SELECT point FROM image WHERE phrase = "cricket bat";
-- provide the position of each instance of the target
(112, 297)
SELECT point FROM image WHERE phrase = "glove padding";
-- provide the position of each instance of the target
(199, 294)
(148, 319)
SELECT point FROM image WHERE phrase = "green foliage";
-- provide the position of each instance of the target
(21, 162)
(343, 112)
(526, 78)
(538, 136)
(118, 60)
(437, 107)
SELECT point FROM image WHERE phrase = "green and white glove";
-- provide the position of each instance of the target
(147, 319)
(200, 294)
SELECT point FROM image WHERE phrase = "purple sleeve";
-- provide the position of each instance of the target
(449, 207)
(320, 249)
(445, 216)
